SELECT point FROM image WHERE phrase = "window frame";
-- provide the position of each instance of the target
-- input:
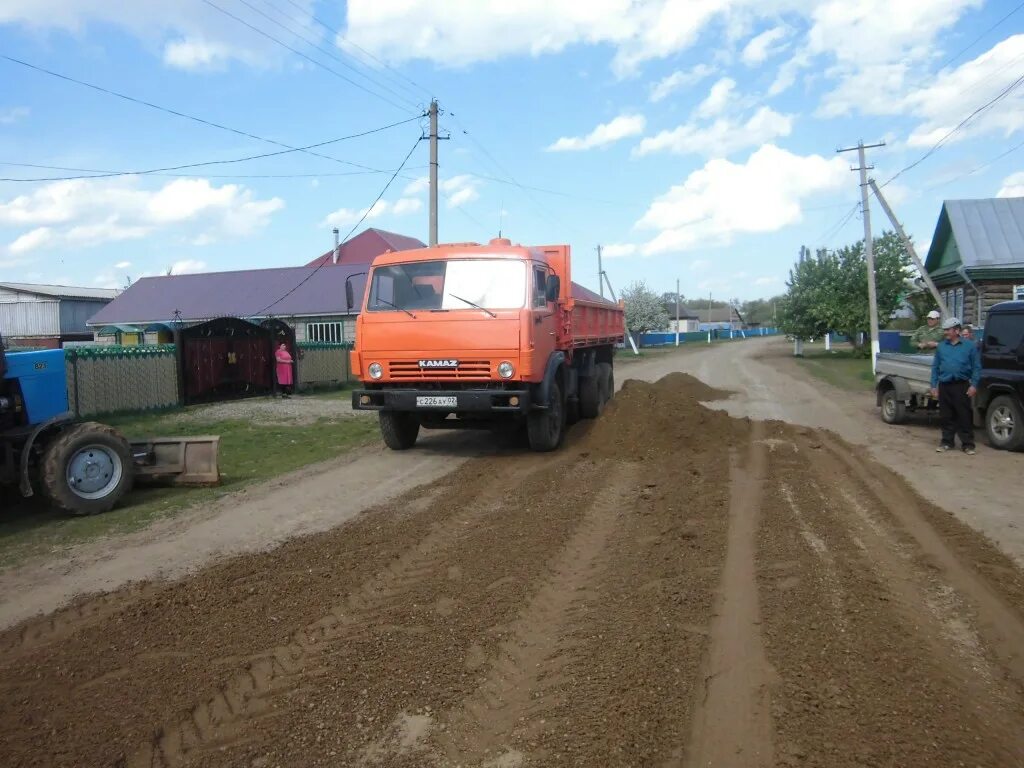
(322, 332)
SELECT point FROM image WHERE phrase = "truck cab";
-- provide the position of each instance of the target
(479, 336)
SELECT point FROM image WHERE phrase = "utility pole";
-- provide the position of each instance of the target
(910, 248)
(709, 317)
(869, 255)
(600, 273)
(677, 311)
(433, 172)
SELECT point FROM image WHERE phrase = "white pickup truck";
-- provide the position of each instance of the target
(903, 384)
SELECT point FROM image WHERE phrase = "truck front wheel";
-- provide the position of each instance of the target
(545, 428)
(894, 410)
(399, 430)
(87, 469)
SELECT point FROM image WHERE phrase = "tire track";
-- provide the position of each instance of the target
(489, 725)
(733, 723)
(220, 719)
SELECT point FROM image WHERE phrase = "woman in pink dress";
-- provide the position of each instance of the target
(285, 378)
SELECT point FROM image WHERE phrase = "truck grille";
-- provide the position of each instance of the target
(409, 370)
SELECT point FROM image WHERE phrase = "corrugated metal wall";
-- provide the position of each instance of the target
(30, 318)
(74, 313)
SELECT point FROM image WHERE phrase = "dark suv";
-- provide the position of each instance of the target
(1000, 400)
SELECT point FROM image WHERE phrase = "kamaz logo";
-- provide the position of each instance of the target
(439, 363)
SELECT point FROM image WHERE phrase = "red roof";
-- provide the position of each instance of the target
(366, 246)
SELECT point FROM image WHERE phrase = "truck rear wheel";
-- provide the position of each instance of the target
(399, 430)
(606, 382)
(546, 428)
(591, 403)
(894, 410)
(87, 469)
(1004, 423)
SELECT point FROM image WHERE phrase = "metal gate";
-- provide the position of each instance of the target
(226, 358)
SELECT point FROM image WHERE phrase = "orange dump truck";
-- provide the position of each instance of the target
(482, 336)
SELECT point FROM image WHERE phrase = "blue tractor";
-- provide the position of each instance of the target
(80, 467)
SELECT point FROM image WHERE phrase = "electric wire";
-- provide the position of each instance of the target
(347, 236)
(330, 54)
(99, 173)
(974, 170)
(188, 166)
(297, 52)
(177, 113)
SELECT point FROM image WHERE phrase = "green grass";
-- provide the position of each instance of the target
(842, 368)
(248, 453)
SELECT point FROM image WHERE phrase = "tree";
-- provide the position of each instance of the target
(644, 310)
(829, 291)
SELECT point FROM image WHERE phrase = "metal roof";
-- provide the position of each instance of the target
(366, 246)
(245, 293)
(989, 232)
(63, 291)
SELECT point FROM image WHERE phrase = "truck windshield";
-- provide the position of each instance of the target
(441, 285)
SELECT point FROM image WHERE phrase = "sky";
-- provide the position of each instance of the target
(695, 140)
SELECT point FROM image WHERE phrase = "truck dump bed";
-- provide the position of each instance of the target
(594, 319)
(910, 367)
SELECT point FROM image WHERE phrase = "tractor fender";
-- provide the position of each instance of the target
(556, 360)
(24, 483)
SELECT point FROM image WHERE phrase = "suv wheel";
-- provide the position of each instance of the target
(1004, 423)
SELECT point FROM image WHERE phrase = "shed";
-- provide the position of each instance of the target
(308, 299)
(39, 315)
(976, 257)
(365, 247)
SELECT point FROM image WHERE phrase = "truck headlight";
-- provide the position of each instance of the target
(376, 370)
(505, 369)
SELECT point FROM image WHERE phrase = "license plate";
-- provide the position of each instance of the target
(437, 402)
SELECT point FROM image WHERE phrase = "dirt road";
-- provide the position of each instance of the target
(677, 587)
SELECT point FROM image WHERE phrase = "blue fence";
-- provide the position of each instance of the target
(660, 339)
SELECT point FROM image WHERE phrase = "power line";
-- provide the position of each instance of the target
(959, 126)
(100, 172)
(336, 49)
(109, 174)
(347, 236)
(330, 54)
(297, 52)
(175, 112)
(974, 170)
(362, 50)
(971, 44)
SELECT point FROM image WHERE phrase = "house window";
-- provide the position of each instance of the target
(332, 333)
(1018, 293)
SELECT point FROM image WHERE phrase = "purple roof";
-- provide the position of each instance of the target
(366, 246)
(246, 293)
(585, 294)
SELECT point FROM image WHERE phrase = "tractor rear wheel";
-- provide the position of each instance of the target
(87, 469)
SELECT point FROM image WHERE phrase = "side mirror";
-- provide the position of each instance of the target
(350, 298)
(554, 287)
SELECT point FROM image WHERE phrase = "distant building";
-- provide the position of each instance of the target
(717, 318)
(688, 321)
(976, 257)
(310, 299)
(33, 315)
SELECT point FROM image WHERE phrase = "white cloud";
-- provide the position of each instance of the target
(187, 267)
(604, 134)
(196, 54)
(345, 216)
(30, 241)
(122, 265)
(191, 33)
(1013, 186)
(460, 32)
(618, 250)
(86, 212)
(13, 115)
(724, 199)
(762, 281)
(460, 190)
(720, 138)
(762, 47)
(406, 205)
(718, 99)
(417, 187)
(679, 79)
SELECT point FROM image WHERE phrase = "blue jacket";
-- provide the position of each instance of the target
(956, 362)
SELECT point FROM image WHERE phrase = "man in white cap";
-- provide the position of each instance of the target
(927, 337)
(956, 371)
